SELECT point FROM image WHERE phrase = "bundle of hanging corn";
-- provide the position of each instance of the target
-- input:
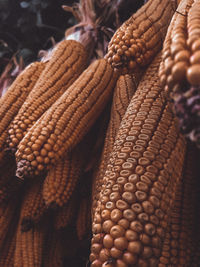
(90, 145)
(180, 69)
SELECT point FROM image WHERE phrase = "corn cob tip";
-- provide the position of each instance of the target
(26, 224)
(24, 169)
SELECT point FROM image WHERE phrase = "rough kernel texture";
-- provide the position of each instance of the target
(67, 61)
(12, 100)
(147, 228)
(140, 38)
(67, 120)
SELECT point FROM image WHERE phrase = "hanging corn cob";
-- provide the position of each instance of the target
(61, 179)
(176, 54)
(179, 243)
(12, 100)
(83, 220)
(67, 60)
(29, 246)
(67, 121)
(140, 38)
(53, 250)
(65, 215)
(136, 198)
(123, 92)
(8, 215)
(180, 68)
(7, 252)
(33, 206)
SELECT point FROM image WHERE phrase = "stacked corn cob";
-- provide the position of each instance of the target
(101, 141)
(180, 68)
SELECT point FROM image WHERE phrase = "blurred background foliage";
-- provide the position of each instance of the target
(29, 26)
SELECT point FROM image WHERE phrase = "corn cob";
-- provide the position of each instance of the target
(65, 215)
(53, 251)
(140, 38)
(7, 253)
(15, 96)
(193, 28)
(147, 155)
(8, 214)
(123, 92)
(67, 61)
(67, 121)
(83, 221)
(29, 247)
(33, 206)
(176, 55)
(61, 179)
(179, 241)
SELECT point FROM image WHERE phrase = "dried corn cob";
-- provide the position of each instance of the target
(67, 121)
(33, 206)
(64, 215)
(123, 92)
(29, 247)
(179, 242)
(8, 214)
(61, 179)
(140, 38)
(53, 251)
(8, 250)
(176, 54)
(83, 221)
(67, 61)
(193, 28)
(15, 96)
(136, 195)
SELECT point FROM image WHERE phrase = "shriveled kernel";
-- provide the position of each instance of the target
(142, 186)
(140, 195)
(121, 204)
(116, 215)
(137, 208)
(150, 229)
(143, 217)
(136, 226)
(128, 197)
(114, 196)
(130, 187)
(110, 205)
(129, 214)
